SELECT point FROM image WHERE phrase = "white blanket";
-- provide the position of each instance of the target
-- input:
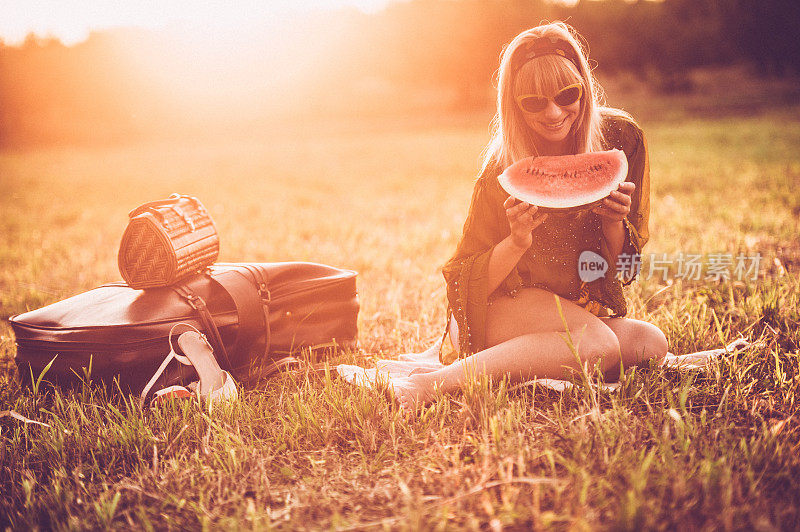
(397, 371)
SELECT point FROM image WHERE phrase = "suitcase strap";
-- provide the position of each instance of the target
(248, 288)
(252, 307)
(199, 304)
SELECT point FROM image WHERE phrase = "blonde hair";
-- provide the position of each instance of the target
(512, 139)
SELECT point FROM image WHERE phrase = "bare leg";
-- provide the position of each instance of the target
(526, 335)
(639, 341)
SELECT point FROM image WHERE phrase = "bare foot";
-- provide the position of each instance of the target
(412, 392)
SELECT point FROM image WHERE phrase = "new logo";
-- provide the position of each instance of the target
(591, 266)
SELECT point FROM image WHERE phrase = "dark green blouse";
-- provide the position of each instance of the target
(552, 260)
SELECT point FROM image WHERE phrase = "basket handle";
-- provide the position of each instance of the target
(171, 200)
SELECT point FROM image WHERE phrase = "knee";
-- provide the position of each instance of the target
(642, 341)
(600, 345)
(654, 342)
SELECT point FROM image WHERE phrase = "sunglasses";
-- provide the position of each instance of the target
(533, 103)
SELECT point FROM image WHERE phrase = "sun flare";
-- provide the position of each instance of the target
(72, 21)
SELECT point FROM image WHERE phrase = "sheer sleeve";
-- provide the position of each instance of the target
(627, 135)
(466, 274)
(637, 231)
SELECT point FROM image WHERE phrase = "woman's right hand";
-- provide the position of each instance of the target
(522, 219)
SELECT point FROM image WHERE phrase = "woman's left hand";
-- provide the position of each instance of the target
(616, 206)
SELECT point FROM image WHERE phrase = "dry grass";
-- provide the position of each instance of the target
(668, 451)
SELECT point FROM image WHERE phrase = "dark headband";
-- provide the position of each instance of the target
(546, 46)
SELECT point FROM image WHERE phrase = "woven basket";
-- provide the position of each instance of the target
(166, 241)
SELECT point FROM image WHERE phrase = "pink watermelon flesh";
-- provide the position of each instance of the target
(565, 181)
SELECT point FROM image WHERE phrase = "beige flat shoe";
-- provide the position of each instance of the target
(215, 384)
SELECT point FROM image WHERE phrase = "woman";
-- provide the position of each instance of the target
(513, 262)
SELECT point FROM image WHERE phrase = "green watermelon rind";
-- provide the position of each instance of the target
(579, 162)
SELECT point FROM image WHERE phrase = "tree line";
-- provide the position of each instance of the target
(120, 83)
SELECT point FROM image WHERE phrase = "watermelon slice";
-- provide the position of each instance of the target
(565, 181)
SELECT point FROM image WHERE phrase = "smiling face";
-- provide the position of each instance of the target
(554, 123)
(553, 127)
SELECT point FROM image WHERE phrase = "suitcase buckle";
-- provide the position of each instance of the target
(196, 302)
(263, 291)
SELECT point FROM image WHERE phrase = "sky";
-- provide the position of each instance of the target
(72, 20)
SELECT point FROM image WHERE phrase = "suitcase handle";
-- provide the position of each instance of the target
(151, 205)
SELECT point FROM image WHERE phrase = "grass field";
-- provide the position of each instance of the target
(715, 450)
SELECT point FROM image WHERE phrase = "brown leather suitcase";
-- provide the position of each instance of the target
(253, 313)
